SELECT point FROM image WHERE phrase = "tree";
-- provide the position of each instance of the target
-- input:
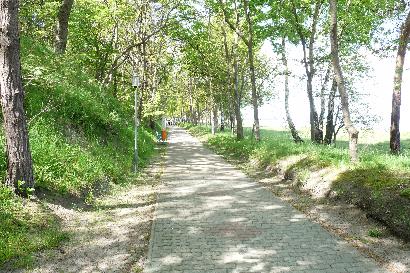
(308, 43)
(344, 97)
(249, 42)
(330, 125)
(19, 161)
(235, 78)
(291, 125)
(398, 78)
(62, 26)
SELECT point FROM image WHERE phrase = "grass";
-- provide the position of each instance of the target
(25, 229)
(375, 233)
(80, 133)
(379, 183)
(81, 139)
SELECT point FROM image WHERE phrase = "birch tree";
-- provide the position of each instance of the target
(291, 125)
(344, 96)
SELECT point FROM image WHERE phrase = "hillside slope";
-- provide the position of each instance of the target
(81, 138)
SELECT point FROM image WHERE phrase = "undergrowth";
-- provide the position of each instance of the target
(81, 137)
(25, 229)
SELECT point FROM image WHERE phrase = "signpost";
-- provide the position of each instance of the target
(135, 84)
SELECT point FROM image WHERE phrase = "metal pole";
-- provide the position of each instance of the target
(136, 131)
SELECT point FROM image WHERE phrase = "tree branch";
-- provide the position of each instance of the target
(231, 25)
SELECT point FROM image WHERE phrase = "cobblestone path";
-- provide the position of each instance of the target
(212, 218)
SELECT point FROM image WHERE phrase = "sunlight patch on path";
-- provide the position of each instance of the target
(210, 217)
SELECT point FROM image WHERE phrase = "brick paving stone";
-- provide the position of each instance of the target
(211, 217)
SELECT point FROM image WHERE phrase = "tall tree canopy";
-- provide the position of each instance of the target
(201, 61)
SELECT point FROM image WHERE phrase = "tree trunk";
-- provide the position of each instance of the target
(353, 133)
(291, 125)
(230, 87)
(214, 119)
(316, 134)
(252, 71)
(19, 161)
(222, 127)
(237, 93)
(198, 113)
(232, 123)
(191, 103)
(237, 97)
(398, 77)
(323, 99)
(330, 128)
(214, 111)
(62, 26)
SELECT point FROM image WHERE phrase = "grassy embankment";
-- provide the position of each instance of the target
(379, 184)
(81, 139)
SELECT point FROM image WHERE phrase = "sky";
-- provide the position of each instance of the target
(378, 86)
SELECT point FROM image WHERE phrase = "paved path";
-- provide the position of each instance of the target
(212, 218)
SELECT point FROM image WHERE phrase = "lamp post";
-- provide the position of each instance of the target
(135, 84)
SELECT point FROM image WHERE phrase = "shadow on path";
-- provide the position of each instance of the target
(212, 218)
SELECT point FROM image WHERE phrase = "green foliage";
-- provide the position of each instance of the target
(405, 193)
(37, 18)
(376, 233)
(80, 134)
(79, 105)
(81, 138)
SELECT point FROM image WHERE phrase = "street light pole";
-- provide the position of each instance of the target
(135, 84)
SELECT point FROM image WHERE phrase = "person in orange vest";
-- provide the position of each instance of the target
(164, 134)
(164, 129)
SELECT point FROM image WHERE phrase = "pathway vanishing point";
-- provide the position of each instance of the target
(211, 217)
